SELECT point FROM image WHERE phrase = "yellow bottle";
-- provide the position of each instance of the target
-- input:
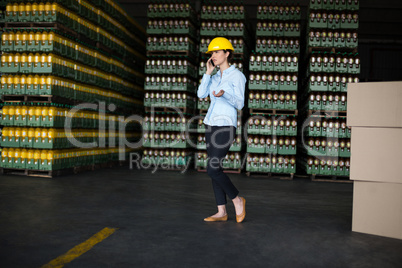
(9, 9)
(17, 60)
(10, 155)
(21, 10)
(24, 60)
(51, 134)
(50, 156)
(24, 134)
(17, 155)
(42, 82)
(31, 134)
(11, 112)
(43, 60)
(4, 155)
(31, 59)
(28, 10)
(48, 9)
(5, 114)
(37, 38)
(38, 133)
(49, 59)
(30, 156)
(36, 82)
(4, 60)
(29, 82)
(31, 39)
(9, 81)
(16, 80)
(54, 9)
(24, 38)
(31, 113)
(10, 60)
(17, 133)
(41, 8)
(15, 9)
(36, 156)
(23, 81)
(44, 134)
(18, 112)
(38, 113)
(45, 113)
(5, 39)
(44, 38)
(35, 9)
(17, 38)
(36, 59)
(51, 38)
(24, 156)
(11, 133)
(5, 133)
(24, 112)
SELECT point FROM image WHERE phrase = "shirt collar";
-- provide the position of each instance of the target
(228, 70)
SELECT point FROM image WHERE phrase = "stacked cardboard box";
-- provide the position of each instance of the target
(375, 115)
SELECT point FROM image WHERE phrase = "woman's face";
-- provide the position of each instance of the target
(219, 57)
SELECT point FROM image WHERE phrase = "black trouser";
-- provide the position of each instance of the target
(218, 140)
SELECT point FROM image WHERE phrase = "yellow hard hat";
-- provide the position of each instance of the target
(219, 43)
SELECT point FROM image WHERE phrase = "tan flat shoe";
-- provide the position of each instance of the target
(240, 218)
(224, 218)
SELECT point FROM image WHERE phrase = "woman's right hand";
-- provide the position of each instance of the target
(210, 67)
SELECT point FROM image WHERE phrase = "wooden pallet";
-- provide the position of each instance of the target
(282, 176)
(169, 109)
(227, 170)
(273, 111)
(324, 113)
(60, 172)
(171, 53)
(332, 49)
(330, 178)
(41, 25)
(37, 99)
(37, 173)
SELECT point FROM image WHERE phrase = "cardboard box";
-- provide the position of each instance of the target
(377, 104)
(377, 208)
(376, 154)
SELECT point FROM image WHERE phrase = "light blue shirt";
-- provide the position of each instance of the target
(223, 110)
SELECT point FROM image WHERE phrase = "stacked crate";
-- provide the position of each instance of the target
(170, 86)
(69, 83)
(273, 85)
(332, 62)
(227, 20)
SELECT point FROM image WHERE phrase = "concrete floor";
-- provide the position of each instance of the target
(160, 219)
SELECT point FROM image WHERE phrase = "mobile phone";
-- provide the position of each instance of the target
(213, 64)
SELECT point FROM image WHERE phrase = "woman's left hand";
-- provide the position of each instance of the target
(220, 93)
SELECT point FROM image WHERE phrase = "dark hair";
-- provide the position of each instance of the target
(230, 57)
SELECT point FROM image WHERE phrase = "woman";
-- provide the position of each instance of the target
(226, 91)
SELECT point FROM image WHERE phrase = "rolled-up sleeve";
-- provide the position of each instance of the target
(235, 95)
(203, 89)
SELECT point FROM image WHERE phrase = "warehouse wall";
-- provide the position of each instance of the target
(380, 34)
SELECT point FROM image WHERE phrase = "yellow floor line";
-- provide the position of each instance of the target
(80, 249)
